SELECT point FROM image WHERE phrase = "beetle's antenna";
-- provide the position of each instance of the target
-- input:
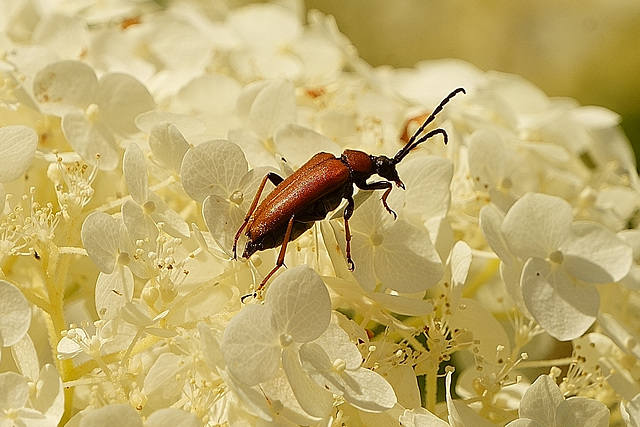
(413, 143)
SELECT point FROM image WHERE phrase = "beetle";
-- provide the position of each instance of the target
(317, 188)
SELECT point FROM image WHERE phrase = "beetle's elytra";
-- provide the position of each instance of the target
(317, 188)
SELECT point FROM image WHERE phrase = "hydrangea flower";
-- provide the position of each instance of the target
(543, 404)
(133, 138)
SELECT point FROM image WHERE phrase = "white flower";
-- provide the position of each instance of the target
(543, 404)
(387, 253)
(561, 260)
(335, 363)
(147, 207)
(216, 174)
(263, 338)
(263, 107)
(93, 111)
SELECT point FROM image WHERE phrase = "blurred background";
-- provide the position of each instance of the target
(584, 49)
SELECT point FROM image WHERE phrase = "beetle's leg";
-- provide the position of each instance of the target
(275, 180)
(280, 261)
(381, 185)
(348, 211)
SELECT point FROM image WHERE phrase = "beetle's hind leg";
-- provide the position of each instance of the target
(348, 211)
(275, 180)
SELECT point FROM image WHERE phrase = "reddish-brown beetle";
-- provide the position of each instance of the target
(317, 188)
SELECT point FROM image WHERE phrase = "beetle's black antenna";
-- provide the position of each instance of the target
(413, 143)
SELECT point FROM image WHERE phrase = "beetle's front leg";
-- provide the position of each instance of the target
(380, 185)
(275, 180)
(348, 211)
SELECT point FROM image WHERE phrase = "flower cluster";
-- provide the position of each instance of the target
(133, 141)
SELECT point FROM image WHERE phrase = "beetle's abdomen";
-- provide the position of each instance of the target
(323, 176)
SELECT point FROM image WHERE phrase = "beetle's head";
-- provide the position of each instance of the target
(386, 168)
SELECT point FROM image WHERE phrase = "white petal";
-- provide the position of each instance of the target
(213, 167)
(540, 401)
(337, 344)
(168, 145)
(101, 238)
(279, 392)
(491, 219)
(65, 86)
(26, 358)
(300, 303)
(402, 305)
(121, 98)
(537, 224)
(118, 414)
(406, 261)
(139, 225)
(273, 107)
(298, 144)
(265, 25)
(223, 220)
(174, 224)
(251, 346)
(582, 412)
(368, 391)
(162, 375)
(90, 139)
(619, 334)
(49, 399)
(460, 261)
(405, 384)
(594, 117)
(113, 291)
(427, 180)
(252, 398)
(564, 308)
(14, 391)
(490, 336)
(312, 398)
(595, 254)
(17, 147)
(16, 315)
(362, 254)
(171, 417)
(420, 417)
(65, 35)
(134, 167)
(68, 348)
(486, 158)
(211, 93)
(210, 347)
(188, 126)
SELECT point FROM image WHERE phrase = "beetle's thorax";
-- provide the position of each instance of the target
(358, 162)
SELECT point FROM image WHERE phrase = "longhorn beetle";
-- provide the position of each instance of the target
(317, 188)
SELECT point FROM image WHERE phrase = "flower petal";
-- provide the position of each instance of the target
(564, 308)
(213, 167)
(596, 255)
(16, 315)
(540, 401)
(581, 411)
(17, 147)
(65, 86)
(537, 224)
(300, 303)
(250, 345)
